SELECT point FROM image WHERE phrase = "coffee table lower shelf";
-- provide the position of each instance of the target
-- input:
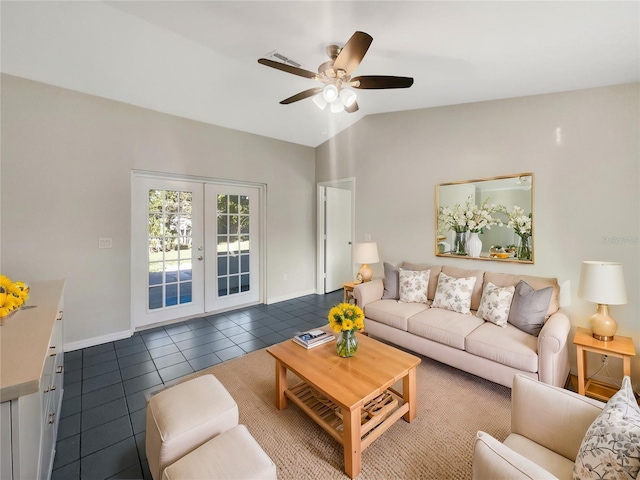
(376, 416)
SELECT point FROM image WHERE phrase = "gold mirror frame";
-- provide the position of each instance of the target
(509, 191)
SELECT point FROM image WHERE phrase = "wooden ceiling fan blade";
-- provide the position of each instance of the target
(352, 108)
(353, 52)
(287, 68)
(380, 82)
(301, 96)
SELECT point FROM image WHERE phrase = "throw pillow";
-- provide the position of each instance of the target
(391, 278)
(611, 446)
(454, 293)
(413, 285)
(529, 308)
(495, 304)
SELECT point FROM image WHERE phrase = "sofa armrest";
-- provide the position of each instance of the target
(494, 460)
(368, 292)
(550, 416)
(553, 350)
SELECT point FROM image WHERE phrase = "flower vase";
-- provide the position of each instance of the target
(524, 247)
(347, 343)
(474, 245)
(459, 244)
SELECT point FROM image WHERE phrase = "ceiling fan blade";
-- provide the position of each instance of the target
(352, 108)
(287, 68)
(353, 52)
(381, 81)
(301, 96)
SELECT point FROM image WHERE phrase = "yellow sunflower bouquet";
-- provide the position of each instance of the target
(346, 317)
(12, 295)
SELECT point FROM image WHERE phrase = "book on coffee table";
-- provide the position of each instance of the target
(313, 338)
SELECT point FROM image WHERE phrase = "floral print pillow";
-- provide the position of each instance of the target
(495, 304)
(611, 446)
(413, 285)
(454, 293)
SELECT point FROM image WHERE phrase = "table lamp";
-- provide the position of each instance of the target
(602, 283)
(365, 254)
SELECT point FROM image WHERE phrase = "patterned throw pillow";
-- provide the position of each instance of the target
(454, 293)
(611, 446)
(413, 285)
(495, 304)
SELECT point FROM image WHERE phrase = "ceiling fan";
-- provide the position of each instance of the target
(335, 74)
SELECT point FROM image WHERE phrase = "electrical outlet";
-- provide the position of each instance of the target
(105, 243)
(604, 359)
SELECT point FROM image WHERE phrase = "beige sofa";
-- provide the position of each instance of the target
(547, 428)
(467, 342)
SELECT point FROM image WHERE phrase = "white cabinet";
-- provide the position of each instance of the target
(32, 379)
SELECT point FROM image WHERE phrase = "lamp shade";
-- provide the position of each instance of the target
(366, 252)
(602, 283)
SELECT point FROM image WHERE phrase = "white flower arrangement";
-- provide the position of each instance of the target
(470, 217)
(520, 222)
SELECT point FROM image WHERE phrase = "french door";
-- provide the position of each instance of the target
(195, 248)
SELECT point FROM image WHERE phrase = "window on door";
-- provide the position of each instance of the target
(234, 244)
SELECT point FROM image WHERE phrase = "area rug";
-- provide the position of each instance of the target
(452, 406)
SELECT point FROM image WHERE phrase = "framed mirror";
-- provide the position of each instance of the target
(486, 219)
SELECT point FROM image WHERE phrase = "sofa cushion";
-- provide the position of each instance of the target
(391, 276)
(529, 308)
(444, 326)
(392, 312)
(476, 295)
(508, 346)
(433, 276)
(495, 304)
(506, 280)
(610, 448)
(454, 293)
(413, 285)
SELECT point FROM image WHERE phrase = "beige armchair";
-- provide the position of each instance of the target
(547, 427)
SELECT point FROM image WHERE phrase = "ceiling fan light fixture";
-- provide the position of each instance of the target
(330, 93)
(319, 101)
(337, 106)
(348, 97)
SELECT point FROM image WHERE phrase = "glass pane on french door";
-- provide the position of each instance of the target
(232, 232)
(170, 248)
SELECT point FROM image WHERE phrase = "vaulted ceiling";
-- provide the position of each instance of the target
(199, 59)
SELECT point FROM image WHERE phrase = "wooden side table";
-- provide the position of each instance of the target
(620, 347)
(348, 292)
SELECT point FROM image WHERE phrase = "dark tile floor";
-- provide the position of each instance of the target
(102, 424)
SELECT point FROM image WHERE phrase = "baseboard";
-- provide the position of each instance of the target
(92, 342)
(284, 298)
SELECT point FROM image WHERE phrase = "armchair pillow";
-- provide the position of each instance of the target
(611, 446)
(454, 293)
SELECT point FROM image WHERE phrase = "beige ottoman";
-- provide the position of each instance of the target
(232, 455)
(183, 417)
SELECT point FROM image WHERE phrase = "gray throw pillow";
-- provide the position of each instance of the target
(529, 308)
(391, 285)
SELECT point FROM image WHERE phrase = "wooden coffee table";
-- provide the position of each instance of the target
(350, 398)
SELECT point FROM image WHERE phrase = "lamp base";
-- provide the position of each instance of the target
(603, 327)
(366, 272)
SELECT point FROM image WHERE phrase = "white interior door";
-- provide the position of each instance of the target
(167, 271)
(338, 264)
(232, 238)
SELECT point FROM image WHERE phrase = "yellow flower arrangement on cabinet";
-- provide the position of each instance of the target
(12, 295)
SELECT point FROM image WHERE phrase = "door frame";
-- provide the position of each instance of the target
(321, 225)
(262, 187)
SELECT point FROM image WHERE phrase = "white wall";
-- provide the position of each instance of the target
(66, 179)
(583, 147)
